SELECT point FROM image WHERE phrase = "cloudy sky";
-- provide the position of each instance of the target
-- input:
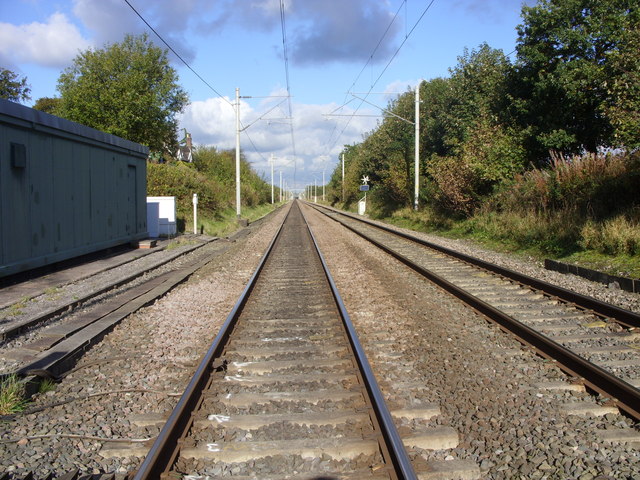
(333, 47)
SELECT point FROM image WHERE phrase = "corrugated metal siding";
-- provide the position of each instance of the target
(78, 190)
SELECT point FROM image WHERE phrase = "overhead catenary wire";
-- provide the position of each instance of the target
(285, 52)
(369, 59)
(177, 54)
(424, 12)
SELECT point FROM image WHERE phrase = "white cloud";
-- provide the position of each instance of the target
(111, 20)
(212, 123)
(52, 44)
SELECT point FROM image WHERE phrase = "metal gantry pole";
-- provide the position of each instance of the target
(280, 186)
(272, 186)
(323, 185)
(238, 211)
(315, 191)
(342, 177)
(417, 148)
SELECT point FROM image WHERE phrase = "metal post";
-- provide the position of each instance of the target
(417, 147)
(281, 186)
(195, 213)
(238, 152)
(323, 185)
(272, 187)
(315, 191)
(342, 177)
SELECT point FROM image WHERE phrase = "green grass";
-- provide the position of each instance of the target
(620, 265)
(223, 223)
(46, 385)
(53, 293)
(16, 309)
(179, 242)
(12, 396)
(522, 236)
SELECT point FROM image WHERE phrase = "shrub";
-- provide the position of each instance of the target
(454, 185)
(182, 181)
(617, 236)
(595, 185)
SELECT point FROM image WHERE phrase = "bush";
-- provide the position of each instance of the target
(182, 181)
(454, 185)
(594, 185)
(212, 177)
(617, 236)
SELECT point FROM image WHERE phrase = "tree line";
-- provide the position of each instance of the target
(572, 87)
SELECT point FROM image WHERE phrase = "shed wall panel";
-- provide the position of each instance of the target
(73, 191)
(63, 198)
(16, 231)
(98, 199)
(41, 196)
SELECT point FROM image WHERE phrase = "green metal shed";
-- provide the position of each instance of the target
(65, 189)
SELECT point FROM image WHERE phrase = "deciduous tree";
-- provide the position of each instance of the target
(566, 50)
(127, 89)
(12, 87)
(48, 105)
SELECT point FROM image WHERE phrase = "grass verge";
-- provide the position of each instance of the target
(11, 396)
(523, 235)
(223, 223)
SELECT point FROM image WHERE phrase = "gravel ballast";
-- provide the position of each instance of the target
(139, 368)
(423, 344)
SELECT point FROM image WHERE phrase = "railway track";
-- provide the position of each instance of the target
(598, 344)
(11, 325)
(285, 388)
(46, 344)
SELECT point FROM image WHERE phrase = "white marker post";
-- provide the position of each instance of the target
(362, 204)
(272, 161)
(195, 213)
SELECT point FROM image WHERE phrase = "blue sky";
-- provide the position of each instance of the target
(239, 43)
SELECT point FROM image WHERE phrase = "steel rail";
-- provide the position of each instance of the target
(398, 454)
(165, 448)
(626, 396)
(14, 329)
(620, 315)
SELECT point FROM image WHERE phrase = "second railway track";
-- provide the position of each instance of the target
(597, 343)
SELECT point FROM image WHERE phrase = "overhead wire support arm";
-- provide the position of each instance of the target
(342, 106)
(383, 109)
(263, 115)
